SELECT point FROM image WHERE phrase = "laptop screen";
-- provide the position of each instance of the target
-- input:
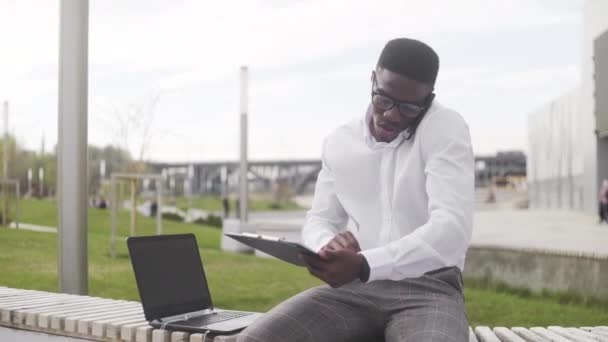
(169, 275)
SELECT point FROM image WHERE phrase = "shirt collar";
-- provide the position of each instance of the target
(370, 140)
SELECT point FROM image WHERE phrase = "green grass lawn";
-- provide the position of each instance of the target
(214, 203)
(29, 260)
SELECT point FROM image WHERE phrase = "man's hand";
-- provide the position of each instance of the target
(345, 240)
(335, 267)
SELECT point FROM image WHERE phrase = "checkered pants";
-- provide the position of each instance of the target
(428, 308)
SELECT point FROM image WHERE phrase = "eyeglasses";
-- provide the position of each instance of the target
(407, 109)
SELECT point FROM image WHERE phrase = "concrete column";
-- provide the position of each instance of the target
(72, 147)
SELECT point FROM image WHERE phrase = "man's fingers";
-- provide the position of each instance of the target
(331, 254)
(350, 238)
(335, 244)
(313, 262)
(342, 237)
(317, 273)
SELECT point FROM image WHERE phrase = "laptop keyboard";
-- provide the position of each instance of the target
(213, 318)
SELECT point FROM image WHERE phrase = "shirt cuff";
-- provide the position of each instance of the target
(380, 263)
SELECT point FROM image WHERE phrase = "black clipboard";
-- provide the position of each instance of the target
(277, 247)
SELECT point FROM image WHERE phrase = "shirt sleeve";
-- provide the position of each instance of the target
(326, 217)
(444, 239)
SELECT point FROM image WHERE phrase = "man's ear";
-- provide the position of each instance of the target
(430, 99)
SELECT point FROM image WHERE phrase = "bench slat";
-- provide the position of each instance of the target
(472, 337)
(180, 336)
(32, 318)
(588, 334)
(529, 335)
(69, 322)
(161, 335)
(506, 335)
(85, 325)
(564, 332)
(128, 332)
(6, 311)
(21, 316)
(484, 334)
(56, 320)
(19, 298)
(100, 328)
(551, 336)
(144, 334)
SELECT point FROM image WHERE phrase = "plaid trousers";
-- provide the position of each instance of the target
(428, 308)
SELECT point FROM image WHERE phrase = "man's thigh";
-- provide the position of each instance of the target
(430, 308)
(319, 314)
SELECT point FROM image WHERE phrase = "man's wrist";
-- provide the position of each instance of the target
(364, 270)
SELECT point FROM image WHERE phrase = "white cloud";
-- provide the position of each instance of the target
(192, 50)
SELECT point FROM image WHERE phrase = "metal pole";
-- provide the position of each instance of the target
(41, 180)
(29, 181)
(5, 167)
(243, 167)
(113, 208)
(102, 175)
(72, 147)
(159, 199)
(133, 231)
(17, 193)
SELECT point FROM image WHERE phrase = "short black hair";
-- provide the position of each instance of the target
(410, 58)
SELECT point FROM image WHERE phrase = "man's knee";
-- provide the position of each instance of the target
(250, 335)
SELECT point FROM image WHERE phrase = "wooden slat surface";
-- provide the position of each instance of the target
(572, 336)
(528, 335)
(107, 320)
(128, 331)
(57, 320)
(506, 335)
(485, 334)
(549, 335)
(472, 337)
(581, 332)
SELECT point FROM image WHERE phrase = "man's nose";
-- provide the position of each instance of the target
(393, 115)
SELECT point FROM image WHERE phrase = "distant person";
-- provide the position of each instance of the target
(491, 197)
(404, 174)
(237, 209)
(603, 202)
(226, 205)
(153, 208)
(101, 203)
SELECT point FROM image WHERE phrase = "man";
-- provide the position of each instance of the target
(404, 175)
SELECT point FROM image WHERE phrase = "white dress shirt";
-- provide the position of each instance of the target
(411, 201)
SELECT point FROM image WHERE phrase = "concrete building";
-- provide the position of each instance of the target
(492, 169)
(568, 138)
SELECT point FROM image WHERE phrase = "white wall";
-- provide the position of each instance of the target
(555, 167)
(564, 149)
(595, 22)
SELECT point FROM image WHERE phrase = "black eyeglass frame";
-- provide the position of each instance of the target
(420, 108)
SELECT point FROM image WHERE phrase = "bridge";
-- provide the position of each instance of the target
(299, 176)
(222, 177)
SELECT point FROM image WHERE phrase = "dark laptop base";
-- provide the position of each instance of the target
(229, 326)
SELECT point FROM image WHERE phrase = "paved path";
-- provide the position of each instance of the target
(561, 231)
(554, 231)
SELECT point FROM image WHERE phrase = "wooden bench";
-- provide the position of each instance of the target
(101, 319)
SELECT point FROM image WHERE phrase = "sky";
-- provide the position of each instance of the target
(164, 74)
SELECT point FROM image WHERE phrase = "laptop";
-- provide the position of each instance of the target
(173, 288)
